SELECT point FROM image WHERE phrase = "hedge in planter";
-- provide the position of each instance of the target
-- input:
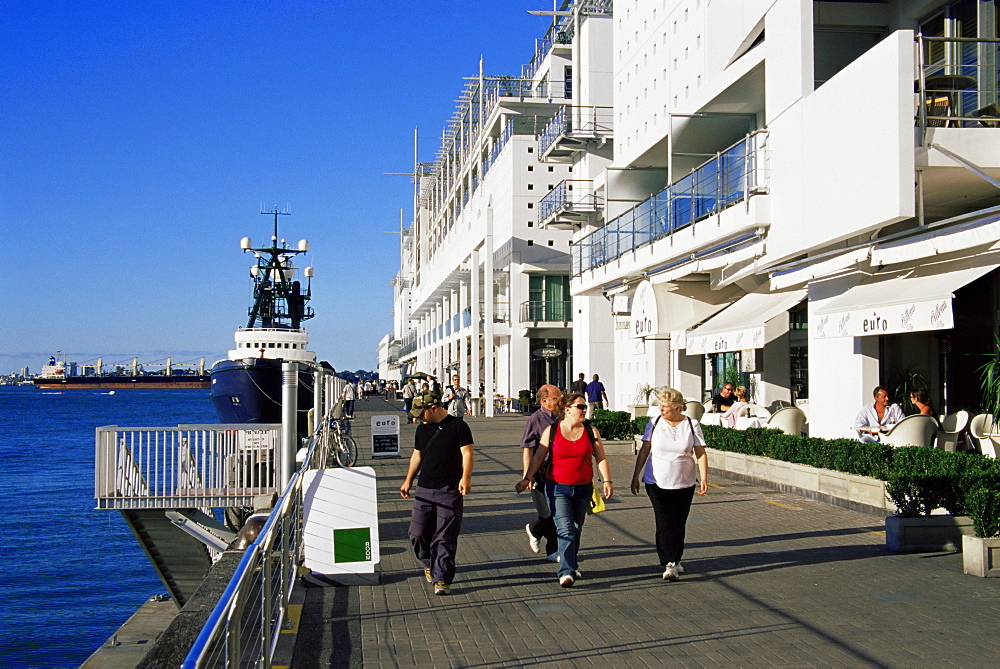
(613, 425)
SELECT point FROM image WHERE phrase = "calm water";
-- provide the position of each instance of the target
(70, 575)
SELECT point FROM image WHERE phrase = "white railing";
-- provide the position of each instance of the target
(244, 628)
(185, 466)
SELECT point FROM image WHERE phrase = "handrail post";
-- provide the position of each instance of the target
(289, 412)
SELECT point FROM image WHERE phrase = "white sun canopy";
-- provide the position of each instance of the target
(741, 326)
(912, 300)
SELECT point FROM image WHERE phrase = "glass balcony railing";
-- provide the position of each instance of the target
(571, 196)
(733, 175)
(959, 82)
(535, 311)
(577, 122)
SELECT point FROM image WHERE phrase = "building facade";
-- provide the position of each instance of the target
(799, 196)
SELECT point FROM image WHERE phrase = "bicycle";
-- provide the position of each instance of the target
(342, 445)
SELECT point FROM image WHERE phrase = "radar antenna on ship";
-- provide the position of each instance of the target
(279, 300)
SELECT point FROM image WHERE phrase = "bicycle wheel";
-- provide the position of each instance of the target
(347, 450)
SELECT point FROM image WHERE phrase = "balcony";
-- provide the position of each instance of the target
(534, 312)
(959, 82)
(572, 129)
(571, 203)
(732, 176)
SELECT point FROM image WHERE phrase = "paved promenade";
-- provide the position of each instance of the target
(773, 580)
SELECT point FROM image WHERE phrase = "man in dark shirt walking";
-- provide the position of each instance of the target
(579, 386)
(442, 455)
(544, 527)
(597, 398)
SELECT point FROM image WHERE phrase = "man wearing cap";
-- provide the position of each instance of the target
(442, 455)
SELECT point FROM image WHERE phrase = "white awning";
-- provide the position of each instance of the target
(911, 300)
(741, 326)
(981, 232)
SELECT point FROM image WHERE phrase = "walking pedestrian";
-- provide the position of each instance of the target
(550, 399)
(569, 483)
(597, 398)
(349, 396)
(579, 386)
(672, 448)
(442, 456)
(409, 391)
(456, 398)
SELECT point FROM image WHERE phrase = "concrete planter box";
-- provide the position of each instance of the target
(860, 493)
(981, 557)
(638, 410)
(620, 447)
(926, 534)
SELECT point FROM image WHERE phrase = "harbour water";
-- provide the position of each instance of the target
(70, 575)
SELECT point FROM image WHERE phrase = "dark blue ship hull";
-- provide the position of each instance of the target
(249, 391)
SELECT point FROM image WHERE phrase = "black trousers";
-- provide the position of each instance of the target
(670, 511)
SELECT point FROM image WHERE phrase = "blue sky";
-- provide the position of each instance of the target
(141, 138)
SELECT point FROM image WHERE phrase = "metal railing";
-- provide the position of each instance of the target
(572, 195)
(534, 311)
(959, 82)
(244, 627)
(579, 122)
(185, 466)
(733, 175)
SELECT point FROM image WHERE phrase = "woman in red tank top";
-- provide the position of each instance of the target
(569, 478)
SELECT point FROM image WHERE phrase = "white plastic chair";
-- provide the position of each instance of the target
(789, 420)
(694, 409)
(918, 430)
(978, 427)
(757, 411)
(951, 426)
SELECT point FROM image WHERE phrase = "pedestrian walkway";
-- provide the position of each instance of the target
(771, 579)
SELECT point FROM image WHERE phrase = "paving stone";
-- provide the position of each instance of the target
(772, 580)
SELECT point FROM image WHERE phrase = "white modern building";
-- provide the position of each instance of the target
(800, 196)
(483, 290)
(822, 208)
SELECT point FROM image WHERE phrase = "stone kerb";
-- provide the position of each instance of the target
(850, 491)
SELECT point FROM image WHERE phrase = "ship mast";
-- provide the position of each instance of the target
(278, 301)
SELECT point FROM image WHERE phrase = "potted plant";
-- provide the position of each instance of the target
(924, 484)
(642, 394)
(989, 378)
(524, 398)
(981, 551)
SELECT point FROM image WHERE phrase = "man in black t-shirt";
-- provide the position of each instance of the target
(442, 455)
(724, 398)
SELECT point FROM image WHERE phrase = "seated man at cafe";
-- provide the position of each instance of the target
(724, 399)
(876, 417)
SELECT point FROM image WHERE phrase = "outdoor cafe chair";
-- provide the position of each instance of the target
(694, 409)
(951, 426)
(789, 420)
(979, 427)
(918, 430)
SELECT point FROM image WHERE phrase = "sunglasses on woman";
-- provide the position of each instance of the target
(581, 407)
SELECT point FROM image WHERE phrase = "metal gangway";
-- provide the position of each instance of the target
(175, 486)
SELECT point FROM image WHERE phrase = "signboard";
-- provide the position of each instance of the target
(340, 526)
(385, 436)
(722, 342)
(886, 319)
(547, 352)
(645, 316)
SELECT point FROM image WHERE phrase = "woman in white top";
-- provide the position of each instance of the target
(672, 448)
(733, 412)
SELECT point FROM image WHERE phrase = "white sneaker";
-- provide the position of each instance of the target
(566, 581)
(578, 574)
(680, 569)
(670, 573)
(534, 544)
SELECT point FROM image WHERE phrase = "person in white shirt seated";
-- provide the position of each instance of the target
(733, 412)
(876, 417)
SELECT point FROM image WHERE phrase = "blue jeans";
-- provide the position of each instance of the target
(569, 504)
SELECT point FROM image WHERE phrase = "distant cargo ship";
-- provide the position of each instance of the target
(59, 375)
